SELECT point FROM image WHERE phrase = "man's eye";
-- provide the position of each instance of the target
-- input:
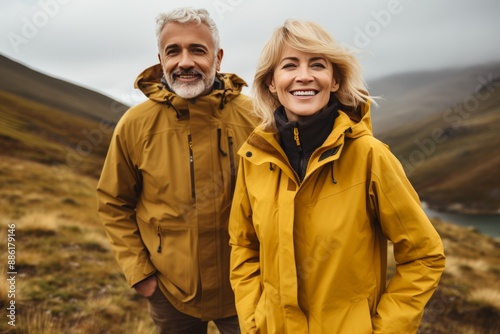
(198, 51)
(289, 65)
(171, 52)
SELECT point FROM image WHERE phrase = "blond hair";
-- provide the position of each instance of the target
(307, 37)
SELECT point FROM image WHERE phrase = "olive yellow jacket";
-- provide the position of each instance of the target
(311, 257)
(165, 191)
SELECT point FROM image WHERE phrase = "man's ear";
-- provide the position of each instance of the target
(220, 54)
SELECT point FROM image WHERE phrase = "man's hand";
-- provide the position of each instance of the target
(146, 287)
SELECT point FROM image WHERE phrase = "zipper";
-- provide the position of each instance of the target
(191, 166)
(301, 152)
(159, 240)
(232, 165)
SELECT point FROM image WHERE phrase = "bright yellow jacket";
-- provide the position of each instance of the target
(312, 257)
(165, 191)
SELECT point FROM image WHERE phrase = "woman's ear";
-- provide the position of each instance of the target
(335, 86)
(335, 81)
(272, 86)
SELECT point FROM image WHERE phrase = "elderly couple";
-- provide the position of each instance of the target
(263, 216)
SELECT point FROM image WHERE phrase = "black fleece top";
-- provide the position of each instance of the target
(299, 139)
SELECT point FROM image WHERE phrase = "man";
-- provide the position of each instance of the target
(166, 186)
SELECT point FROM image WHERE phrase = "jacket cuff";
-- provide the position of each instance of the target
(148, 269)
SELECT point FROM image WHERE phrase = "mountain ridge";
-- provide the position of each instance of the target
(407, 97)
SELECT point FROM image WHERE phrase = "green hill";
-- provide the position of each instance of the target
(54, 122)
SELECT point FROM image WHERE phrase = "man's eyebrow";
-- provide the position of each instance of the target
(192, 45)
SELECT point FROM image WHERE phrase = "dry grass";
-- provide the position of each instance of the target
(485, 296)
(68, 280)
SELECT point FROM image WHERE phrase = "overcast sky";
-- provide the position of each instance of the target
(103, 45)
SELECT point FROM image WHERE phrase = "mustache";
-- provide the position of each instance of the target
(186, 72)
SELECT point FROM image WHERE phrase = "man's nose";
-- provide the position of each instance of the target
(186, 60)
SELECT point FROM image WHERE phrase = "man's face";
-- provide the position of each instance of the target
(188, 58)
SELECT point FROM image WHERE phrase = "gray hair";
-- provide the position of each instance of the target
(188, 15)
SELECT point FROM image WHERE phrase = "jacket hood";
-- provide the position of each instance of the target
(348, 124)
(266, 145)
(150, 82)
(359, 125)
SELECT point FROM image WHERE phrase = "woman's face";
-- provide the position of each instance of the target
(302, 82)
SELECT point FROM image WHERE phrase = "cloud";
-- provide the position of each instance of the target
(105, 45)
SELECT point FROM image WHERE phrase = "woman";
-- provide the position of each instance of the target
(318, 197)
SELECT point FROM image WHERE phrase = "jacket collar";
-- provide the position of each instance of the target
(226, 87)
(345, 126)
(300, 139)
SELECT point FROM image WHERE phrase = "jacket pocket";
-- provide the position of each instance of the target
(174, 260)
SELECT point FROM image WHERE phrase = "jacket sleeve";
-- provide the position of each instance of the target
(418, 249)
(118, 191)
(245, 266)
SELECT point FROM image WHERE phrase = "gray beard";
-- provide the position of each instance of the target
(192, 89)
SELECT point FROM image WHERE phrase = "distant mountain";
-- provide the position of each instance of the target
(443, 127)
(407, 97)
(54, 122)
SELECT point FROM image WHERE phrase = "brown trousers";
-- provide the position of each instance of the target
(169, 320)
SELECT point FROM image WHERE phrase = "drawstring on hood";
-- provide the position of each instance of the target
(169, 104)
(223, 99)
(333, 176)
(333, 162)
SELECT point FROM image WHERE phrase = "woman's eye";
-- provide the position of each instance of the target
(289, 65)
(318, 65)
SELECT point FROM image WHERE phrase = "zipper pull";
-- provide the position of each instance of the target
(296, 135)
(159, 237)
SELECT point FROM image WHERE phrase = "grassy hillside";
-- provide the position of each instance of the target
(30, 85)
(33, 131)
(46, 120)
(453, 156)
(69, 282)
